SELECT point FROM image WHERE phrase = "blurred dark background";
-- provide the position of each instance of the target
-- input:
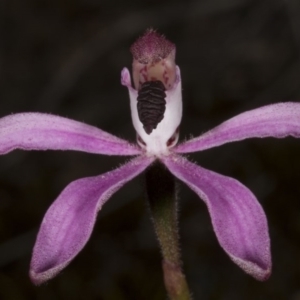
(64, 57)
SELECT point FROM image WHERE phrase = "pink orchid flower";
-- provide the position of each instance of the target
(237, 217)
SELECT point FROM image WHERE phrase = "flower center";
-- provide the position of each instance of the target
(156, 105)
(151, 104)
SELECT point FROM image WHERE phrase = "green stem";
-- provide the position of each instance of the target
(161, 192)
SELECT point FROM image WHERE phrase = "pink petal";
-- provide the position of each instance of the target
(238, 219)
(36, 131)
(69, 221)
(277, 120)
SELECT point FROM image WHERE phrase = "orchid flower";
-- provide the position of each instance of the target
(237, 217)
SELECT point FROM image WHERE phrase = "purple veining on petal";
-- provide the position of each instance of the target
(277, 120)
(238, 219)
(153, 59)
(69, 221)
(37, 131)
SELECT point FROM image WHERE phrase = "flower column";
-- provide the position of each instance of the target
(156, 113)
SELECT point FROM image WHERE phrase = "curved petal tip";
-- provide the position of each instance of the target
(260, 273)
(39, 278)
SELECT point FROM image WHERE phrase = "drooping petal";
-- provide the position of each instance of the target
(276, 120)
(69, 221)
(37, 131)
(238, 219)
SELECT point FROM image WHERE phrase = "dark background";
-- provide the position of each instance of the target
(65, 57)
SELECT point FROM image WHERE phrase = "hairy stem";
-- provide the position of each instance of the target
(161, 192)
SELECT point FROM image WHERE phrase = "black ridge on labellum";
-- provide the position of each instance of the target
(151, 104)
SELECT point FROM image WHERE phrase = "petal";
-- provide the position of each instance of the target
(238, 219)
(37, 131)
(69, 221)
(277, 120)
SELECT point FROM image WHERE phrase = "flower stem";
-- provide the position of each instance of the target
(160, 187)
